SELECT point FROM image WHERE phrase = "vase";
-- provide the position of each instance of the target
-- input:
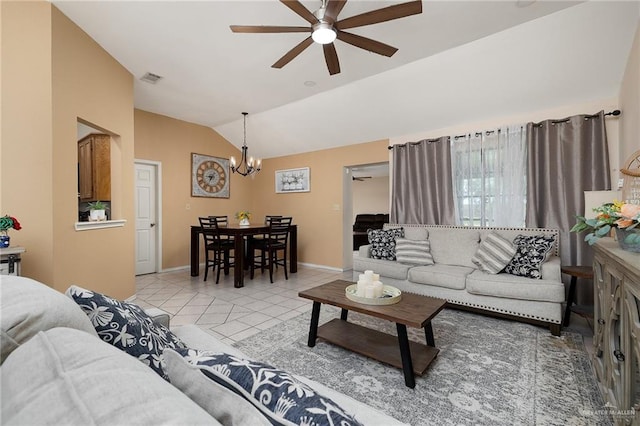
(622, 235)
(244, 222)
(4, 241)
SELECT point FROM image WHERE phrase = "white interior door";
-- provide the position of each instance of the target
(146, 219)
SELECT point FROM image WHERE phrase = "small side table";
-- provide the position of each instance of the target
(10, 260)
(575, 272)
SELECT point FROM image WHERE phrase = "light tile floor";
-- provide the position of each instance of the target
(232, 314)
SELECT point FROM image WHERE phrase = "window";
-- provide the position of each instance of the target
(489, 177)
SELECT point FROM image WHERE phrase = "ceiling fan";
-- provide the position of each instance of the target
(325, 28)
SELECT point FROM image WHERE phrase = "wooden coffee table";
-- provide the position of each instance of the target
(413, 311)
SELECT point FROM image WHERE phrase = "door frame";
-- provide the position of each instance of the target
(158, 210)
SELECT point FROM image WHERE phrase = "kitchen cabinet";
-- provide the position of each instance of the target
(94, 167)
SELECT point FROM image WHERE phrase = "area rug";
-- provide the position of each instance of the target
(489, 371)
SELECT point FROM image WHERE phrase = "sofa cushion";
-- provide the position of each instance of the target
(67, 376)
(413, 252)
(28, 306)
(274, 394)
(531, 253)
(494, 253)
(447, 276)
(514, 287)
(383, 242)
(416, 233)
(386, 268)
(126, 326)
(452, 246)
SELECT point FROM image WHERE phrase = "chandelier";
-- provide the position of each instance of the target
(245, 167)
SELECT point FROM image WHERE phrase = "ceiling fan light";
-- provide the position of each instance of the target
(323, 33)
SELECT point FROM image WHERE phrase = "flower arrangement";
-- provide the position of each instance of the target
(9, 222)
(619, 215)
(242, 215)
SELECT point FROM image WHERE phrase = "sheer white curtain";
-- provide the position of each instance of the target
(489, 177)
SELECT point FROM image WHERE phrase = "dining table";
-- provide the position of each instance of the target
(239, 234)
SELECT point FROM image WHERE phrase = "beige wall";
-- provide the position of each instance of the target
(371, 196)
(630, 103)
(26, 150)
(318, 213)
(52, 74)
(171, 142)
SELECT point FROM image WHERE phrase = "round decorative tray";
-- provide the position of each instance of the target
(390, 295)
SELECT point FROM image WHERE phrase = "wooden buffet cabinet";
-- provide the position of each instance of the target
(94, 167)
(616, 339)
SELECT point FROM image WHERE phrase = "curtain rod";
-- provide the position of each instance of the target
(615, 113)
(416, 143)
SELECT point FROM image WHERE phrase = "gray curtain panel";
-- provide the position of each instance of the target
(422, 188)
(565, 158)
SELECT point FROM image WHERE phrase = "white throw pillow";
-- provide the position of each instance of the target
(413, 252)
(494, 253)
(28, 306)
(69, 377)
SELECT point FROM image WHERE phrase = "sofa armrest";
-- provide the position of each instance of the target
(551, 269)
(363, 251)
(159, 316)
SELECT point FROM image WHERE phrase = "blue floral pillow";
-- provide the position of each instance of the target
(127, 327)
(277, 395)
(531, 253)
(383, 242)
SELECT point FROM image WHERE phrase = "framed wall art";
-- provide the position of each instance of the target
(293, 180)
(209, 176)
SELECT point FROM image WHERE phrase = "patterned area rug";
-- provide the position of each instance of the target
(488, 372)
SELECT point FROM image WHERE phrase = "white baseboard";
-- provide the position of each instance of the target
(329, 268)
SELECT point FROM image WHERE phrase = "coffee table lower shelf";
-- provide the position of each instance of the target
(376, 345)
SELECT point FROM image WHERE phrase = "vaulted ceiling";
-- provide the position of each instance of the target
(458, 61)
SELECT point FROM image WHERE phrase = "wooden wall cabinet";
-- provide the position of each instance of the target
(94, 167)
(616, 339)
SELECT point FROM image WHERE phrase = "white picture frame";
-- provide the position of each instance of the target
(293, 180)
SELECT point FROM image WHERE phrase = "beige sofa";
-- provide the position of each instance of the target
(56, 370)
(455, 278)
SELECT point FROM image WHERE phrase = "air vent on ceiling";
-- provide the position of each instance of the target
(151, 78)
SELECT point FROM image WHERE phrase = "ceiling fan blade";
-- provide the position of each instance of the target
(302, 11)
(381, 15)
(290, 55)
(334, 8)
(331, 58)
(267, 29)
(367, 44)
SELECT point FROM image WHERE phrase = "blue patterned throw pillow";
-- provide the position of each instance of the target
(280, 397)
(383, 242)
(127, 327)
(531, 253)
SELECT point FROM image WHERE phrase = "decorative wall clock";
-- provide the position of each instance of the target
(209, 176)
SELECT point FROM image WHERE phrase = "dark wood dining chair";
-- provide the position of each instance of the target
(275, 243)
(217, 249)
(261, 254)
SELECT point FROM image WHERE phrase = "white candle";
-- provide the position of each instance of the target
(375, 277)
(369, 292)
(362, 277)
(360, 286)
(377, 289)
(369, 275)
